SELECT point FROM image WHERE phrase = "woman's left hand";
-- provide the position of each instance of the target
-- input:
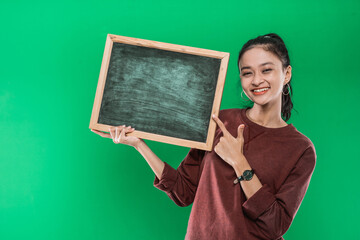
(229, 148)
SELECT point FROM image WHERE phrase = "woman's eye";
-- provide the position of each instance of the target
(247, 73)
(267, 70)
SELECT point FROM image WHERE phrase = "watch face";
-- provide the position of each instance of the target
(248, 174)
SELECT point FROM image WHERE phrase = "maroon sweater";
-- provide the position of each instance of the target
(282, 158)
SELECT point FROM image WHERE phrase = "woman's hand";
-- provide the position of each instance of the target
(229, 148)
(118, 135)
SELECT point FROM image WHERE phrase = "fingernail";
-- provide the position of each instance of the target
(213, 115)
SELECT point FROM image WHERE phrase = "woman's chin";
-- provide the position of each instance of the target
(261, 102)
(258, 99)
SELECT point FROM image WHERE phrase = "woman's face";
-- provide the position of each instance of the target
(262, 70)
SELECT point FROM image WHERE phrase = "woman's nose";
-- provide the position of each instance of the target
(257, 79)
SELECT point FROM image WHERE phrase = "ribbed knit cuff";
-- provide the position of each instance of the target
(258, 203)
(168, 179)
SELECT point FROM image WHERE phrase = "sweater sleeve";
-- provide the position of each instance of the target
(274, 212)
(181, 184)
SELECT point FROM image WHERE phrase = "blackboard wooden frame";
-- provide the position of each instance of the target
(223, 56)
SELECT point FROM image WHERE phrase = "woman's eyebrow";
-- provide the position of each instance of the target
(246, 67)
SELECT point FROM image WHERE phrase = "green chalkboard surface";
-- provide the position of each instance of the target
(158, 91)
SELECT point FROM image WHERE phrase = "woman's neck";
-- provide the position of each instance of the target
(267, 116)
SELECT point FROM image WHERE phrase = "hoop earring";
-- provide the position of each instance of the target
(288, 88)
(243, 97)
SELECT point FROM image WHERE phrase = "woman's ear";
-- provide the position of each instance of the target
(287, 74)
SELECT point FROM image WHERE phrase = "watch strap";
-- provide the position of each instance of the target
(238, 179)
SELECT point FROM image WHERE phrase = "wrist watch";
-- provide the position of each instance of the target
(246, 176)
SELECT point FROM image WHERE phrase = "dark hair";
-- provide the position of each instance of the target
(273, 43)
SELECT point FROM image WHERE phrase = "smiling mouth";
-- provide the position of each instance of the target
(260, 91)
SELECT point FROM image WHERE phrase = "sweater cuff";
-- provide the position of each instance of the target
(258, 203)
(168, 179)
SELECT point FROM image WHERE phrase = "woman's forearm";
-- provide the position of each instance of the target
(154, 161)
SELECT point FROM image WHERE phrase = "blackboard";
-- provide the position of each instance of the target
(166, 92)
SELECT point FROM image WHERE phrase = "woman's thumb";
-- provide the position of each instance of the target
(240, 130)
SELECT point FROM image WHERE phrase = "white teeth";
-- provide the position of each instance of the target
(260, 90)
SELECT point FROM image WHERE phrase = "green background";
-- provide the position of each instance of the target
(58, 180)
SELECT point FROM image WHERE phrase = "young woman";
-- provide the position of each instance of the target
(252, 183)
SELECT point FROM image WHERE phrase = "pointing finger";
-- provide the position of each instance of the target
(221, 125)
